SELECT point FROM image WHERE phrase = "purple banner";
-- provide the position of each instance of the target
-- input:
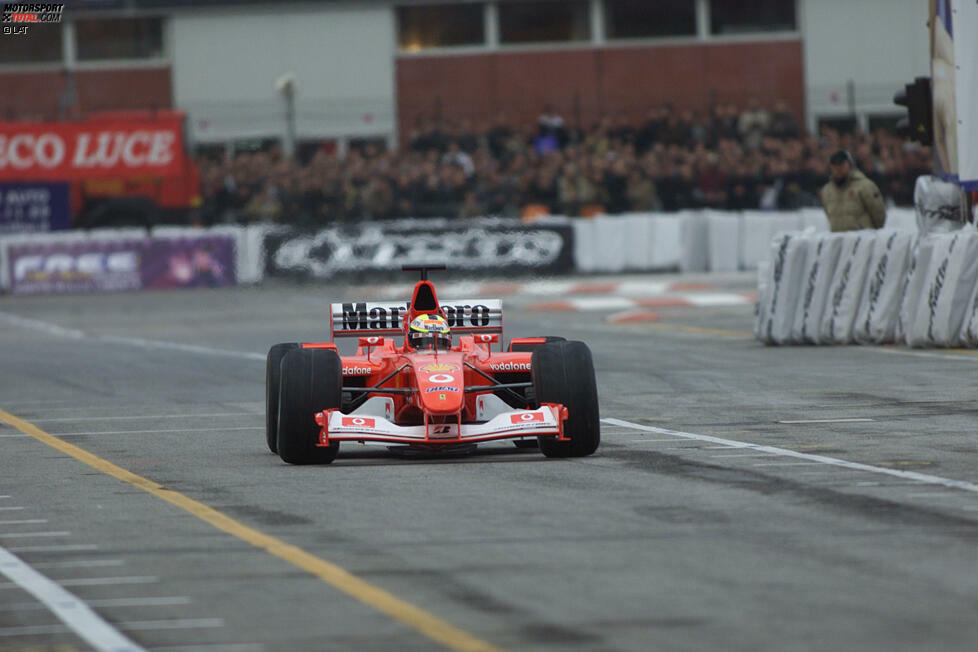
(33, 207)
(206, 261)
(102, 266)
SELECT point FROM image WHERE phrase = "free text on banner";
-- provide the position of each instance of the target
(98, 265)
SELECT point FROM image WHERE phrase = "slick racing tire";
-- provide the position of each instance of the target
(520, 347)
(273, 372)
(312, 381)
(563, 372)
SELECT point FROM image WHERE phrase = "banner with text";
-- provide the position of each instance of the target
(504, 246)
(33, 207)
(91, 149)
(111, 265)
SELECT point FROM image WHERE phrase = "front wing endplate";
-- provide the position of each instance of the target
(548, 420)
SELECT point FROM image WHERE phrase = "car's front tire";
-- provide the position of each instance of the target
(563, 372)
(312, 381)
(273, 374)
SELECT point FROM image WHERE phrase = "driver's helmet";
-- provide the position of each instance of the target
(429, 332)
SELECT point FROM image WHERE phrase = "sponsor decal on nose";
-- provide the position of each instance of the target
(439, 366)
(441, 378)
(526, 417)
(358, 422)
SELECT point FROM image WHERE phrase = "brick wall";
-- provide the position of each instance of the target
(589, 83)
(37, 95)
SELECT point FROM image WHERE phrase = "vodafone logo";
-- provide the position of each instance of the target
(510, 366)
(526, 417)
(372, 340)
(357, 371)
(358, 422)
(441, 378)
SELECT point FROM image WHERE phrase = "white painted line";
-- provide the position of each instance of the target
(216, 647)
(856, 466)
(705, 300)
(36, 630)
(931, 494)
(28, 535)
(4, 496)
(72, 547)
(25, 521)
(141, 602)
(971, 508)
(151, 416)
(745, 455)
(853, 420)
(80, 563)
(71, 333)
(547, 287)
(149, 432)
(96, 581)
(108, 602)
(589, 304)
(187, 623)
(649, 441)
(176, 346)
(10, 509)
(43, 326)
(74, 613)
(788, 464)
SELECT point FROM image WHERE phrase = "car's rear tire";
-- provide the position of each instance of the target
(563, 372)
(312, 381)
(273, 372)
(522, 347)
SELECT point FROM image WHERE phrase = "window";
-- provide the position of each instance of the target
(544, 22)
(119, 38)
(41, 44)
(747, 16)
(436, 26)
(641, 18)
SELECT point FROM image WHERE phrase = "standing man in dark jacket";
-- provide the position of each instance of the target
(851, 200)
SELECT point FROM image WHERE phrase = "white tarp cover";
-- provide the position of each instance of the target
(935, 314)
(876, 318)
(939, 205)
(846, 289)
(822, 259)
(787, 267)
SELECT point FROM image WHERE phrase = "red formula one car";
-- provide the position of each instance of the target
(410, 384)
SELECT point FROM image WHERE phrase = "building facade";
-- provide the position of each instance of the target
(376, 68)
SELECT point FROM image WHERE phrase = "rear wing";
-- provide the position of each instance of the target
(387, 318)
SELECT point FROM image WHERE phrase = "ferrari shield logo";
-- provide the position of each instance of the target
(442, 397)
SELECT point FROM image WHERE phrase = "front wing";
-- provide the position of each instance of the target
(548, 420)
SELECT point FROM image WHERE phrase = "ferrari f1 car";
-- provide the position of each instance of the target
(412, 384)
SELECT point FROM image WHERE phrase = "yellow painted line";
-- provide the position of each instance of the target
(422, 621)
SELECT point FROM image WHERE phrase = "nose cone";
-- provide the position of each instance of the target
(441, 382)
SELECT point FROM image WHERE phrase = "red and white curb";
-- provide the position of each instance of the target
(551, 288)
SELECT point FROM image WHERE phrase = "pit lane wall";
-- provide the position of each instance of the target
(129, 259)
(692, 241)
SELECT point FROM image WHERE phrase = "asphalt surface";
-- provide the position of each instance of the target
(706, 520)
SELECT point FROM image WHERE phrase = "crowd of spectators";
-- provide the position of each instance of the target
(731, 159)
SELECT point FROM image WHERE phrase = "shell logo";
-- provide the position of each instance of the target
(439, 366)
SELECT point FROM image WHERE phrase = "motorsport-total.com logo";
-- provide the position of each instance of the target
(17, 16)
